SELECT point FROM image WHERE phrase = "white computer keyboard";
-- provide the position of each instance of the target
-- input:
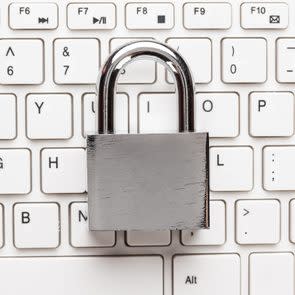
(243, 59)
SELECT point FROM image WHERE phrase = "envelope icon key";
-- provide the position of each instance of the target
(274, 19)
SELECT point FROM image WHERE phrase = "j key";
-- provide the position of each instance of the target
(21, 61)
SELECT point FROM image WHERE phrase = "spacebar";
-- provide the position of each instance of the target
(118, 275)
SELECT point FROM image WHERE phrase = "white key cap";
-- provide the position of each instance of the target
(139, 72)
(203, 15)
(156, 16)
(244, 60)
(21, 61)
(231, 168)
(258, 222)
(80, 234)
(91, 16)
(121, 113)
(76, 61)
(277, 172)
(7, 116)
(1, 226)
(200, 62)
(64, 170)
(194, 274)
(36, 225)
(49, 116)
(271, 274)
(152, 106)
(255, 15)
(286, 60)
(90, 275)
(33, 16)
(15, 171)
(292, 221)
(271, 113)
(148, 238)
(217, 113)
(213, 236)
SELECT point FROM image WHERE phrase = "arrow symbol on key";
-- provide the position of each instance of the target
(246, 212)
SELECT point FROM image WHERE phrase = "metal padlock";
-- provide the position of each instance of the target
(147, 181)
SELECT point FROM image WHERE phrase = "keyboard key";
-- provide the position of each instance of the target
(244, 60)
(271, 113)
(194, 274)
(49, 116)
(36, 225)
(231, 168)
(200, 62)
(213, 236)
(292, 221)
(7, 116)
(255, 15)
(35, 16)
(1, 226)
(148, 238)
(258, 222)
(91, 16)
(15, 171)
(285, 60)
(121, 110)
(153, 16)
(80, 234)
(217, 113)
(76, 61)
(271, 273)
(152, 106)
(207, 15)
(94, 275)
(63, 170)
(21, 61)
(140, 71)
(277, 161)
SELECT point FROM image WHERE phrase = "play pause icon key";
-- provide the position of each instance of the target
(91, 16)
(161, 19)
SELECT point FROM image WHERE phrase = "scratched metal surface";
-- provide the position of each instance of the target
(148, 182)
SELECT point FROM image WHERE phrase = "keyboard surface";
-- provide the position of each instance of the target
(242, 56)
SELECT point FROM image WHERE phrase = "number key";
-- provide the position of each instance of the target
(21, 61)
(244, 60)
(76, 61)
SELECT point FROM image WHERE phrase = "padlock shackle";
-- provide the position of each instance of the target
(162, 53)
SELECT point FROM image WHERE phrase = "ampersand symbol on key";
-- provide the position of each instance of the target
(66, 52)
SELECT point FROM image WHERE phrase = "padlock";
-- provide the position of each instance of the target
(147, 181)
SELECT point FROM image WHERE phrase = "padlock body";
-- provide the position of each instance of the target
(148, 181)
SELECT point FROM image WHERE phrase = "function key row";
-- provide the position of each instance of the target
(148, 16)
(76, 61)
